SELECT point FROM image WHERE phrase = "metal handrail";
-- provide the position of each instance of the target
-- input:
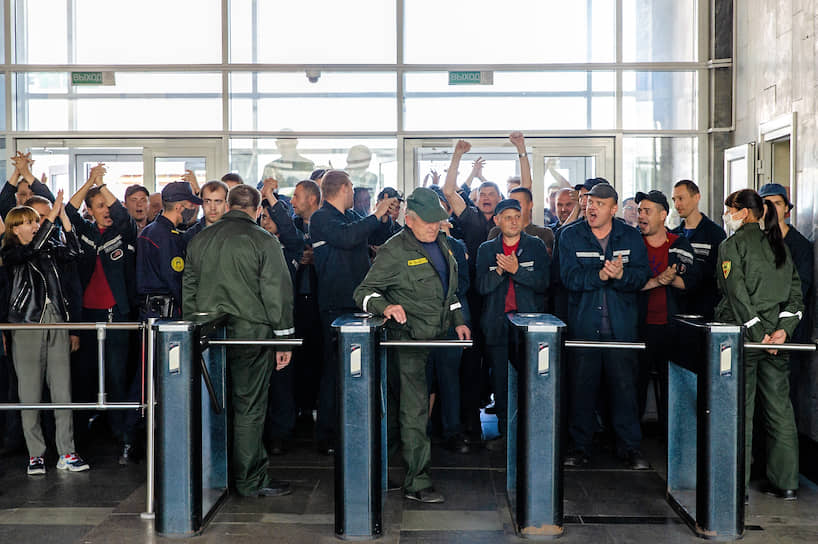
(604, 345)
(426, 343)
(238, 342)
(122, 325)
(782, 347)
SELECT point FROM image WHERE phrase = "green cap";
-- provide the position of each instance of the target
(426, 204)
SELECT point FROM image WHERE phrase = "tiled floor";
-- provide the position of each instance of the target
(604, 503)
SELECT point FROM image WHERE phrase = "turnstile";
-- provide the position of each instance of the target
(534, 474)
(191, 431)
(705, 455)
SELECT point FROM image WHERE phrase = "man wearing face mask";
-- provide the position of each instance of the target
(160, 254)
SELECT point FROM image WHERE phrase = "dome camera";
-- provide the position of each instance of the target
(313, 75)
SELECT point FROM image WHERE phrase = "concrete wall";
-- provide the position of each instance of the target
(776, 72)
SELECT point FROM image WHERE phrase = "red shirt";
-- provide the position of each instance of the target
(511, 298)
(657, 298)
(98, 294)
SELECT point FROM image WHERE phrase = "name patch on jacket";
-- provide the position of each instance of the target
(415, 262)
(624, 253)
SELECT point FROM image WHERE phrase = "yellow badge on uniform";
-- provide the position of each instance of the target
(415, 262)
(725, 268)
(177, 264)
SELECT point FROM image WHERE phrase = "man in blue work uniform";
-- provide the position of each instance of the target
(604, 264)
(340, 241)
(160, 254)
(512, 275)
(705, 236)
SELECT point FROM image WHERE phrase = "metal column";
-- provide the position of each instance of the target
(190, 479)
(534, 464)
(360, 460)
(706, 428)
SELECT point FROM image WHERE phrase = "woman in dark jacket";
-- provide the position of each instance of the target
(33, 259)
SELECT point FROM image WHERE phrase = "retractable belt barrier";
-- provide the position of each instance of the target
(360, 461)
(191, 430)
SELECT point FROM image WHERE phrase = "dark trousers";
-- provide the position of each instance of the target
(499, 355)
(659, 341)
(443, 370)
(280, 420)
(619, 370)
(327, 423)
(120, 382)
(471, 374)
(10, 424)
(308, 357)
(249, 370)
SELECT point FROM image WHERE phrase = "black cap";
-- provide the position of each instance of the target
(654, 196)
(603, 190)
(507, 204)
(579, 186)
(178, 191)
(593, 182)
(389, 192)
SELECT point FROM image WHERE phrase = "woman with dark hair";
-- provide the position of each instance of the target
(761, 290)
(34, 260)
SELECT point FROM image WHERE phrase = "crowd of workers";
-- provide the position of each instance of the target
(460, 262)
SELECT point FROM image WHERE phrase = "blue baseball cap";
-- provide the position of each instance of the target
(507, 204)
(775, 189)
(178, 191)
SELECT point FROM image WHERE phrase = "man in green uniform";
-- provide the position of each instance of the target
(413, 282)
(235, 267)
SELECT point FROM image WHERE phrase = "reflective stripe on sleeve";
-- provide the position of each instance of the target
(752, 322)
(366, 299)
(799, 315)
(455, 306)
(284, 332)
(318, 244)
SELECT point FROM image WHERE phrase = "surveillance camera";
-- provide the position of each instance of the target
(313, 75)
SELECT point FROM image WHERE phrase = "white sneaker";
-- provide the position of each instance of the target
(36, 465)
(72, 462)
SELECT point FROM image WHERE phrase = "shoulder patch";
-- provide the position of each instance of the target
(725, 268)
(416, 262)
(177, 264)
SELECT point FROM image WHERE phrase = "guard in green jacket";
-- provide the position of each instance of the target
(235, 267)
(413, 282)
(761, 290)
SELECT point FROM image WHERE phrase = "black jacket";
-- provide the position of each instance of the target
(340, 243)
(116, 247)
(530, 283)
(705, 240)
(35, 271)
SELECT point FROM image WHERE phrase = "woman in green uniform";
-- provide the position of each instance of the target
(761, 290)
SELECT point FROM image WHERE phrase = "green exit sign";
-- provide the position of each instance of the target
(93, 78)
(471, 77)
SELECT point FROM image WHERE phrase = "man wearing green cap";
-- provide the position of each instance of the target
(413, 282)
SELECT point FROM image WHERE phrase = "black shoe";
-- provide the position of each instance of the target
(275, 489)
(786, 494)
(576, 458)
(428, 495)
(392, 485)
(457, 444)
(325, 447)
(126, 456)
(277, 447)
(636, 461)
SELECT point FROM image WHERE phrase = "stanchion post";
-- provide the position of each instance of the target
(359, 471)
(150, 348)
(101, 362)
(535, 483)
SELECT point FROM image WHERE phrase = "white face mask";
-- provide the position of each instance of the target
(730, 223)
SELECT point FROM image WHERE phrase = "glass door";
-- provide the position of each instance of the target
(739, 169)
(562, 162)
(153, 163)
